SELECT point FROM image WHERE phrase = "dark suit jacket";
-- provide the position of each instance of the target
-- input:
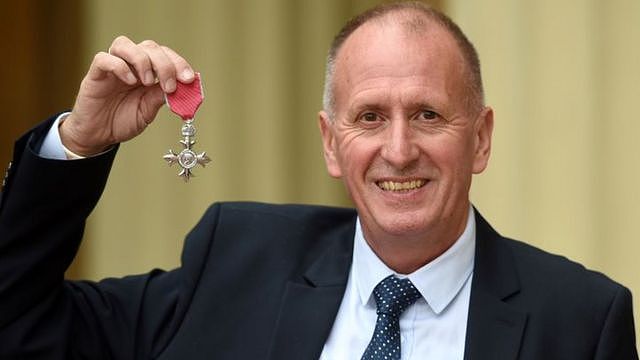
(260, 281)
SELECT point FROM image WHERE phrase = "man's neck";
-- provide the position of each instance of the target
(405, 254)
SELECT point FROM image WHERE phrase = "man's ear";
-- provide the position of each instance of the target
(329, 144)
(483, 130)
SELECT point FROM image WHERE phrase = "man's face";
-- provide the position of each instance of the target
(403, 140)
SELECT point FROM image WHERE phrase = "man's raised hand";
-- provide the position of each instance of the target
(121, 94)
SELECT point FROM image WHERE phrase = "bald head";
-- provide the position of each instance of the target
(414, 18)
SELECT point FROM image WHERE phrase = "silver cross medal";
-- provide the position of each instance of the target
(185, 102)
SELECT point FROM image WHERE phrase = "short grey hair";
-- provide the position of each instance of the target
(475, 92)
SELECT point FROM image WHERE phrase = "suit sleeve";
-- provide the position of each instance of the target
(43, 209)
(618, 340)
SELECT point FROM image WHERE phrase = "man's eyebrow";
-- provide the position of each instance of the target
(422, 104)
(366, 105)
(376, 102)
(381, 101)
(428, 100)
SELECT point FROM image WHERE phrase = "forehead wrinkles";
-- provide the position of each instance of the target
(384, 94)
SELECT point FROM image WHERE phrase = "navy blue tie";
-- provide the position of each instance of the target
(393, 296)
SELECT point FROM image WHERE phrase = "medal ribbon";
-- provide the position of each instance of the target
(187, 98)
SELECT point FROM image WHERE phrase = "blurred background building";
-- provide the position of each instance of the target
(562, 76)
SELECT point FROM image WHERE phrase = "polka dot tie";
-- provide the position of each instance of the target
(393, 296)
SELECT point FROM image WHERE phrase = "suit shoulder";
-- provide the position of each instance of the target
(562, 297)
(295, 213)
(558, 272)
(272, 238)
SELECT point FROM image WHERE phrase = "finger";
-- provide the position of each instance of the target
(104, 63)
(150, 103)
(183, 69)
(135, 56)
(162, 65)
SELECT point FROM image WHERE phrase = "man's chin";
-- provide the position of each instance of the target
(404, 224)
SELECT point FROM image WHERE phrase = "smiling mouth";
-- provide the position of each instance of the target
(400, 186)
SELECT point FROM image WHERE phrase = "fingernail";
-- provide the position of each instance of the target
(131, 79)
(170, 85)
(149, 78)
(187, 74)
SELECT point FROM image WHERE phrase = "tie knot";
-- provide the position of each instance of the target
(393, 295)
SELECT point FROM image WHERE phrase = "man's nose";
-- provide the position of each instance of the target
(400, 149)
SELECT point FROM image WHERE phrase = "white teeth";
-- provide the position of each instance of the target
(400, 186)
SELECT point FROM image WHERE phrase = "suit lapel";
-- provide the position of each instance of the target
(309, 306)
(495, 327)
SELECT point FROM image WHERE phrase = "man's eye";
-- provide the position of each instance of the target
(428, 115)
(369, 117)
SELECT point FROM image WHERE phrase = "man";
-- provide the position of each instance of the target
(414, 273)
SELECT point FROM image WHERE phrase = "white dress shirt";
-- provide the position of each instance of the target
(434, 327)
(52, 145)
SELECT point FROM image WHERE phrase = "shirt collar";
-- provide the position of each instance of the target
(439, 281)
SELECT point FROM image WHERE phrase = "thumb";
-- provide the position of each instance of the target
(150, 102)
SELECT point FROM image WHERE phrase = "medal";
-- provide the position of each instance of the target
(185, 102)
